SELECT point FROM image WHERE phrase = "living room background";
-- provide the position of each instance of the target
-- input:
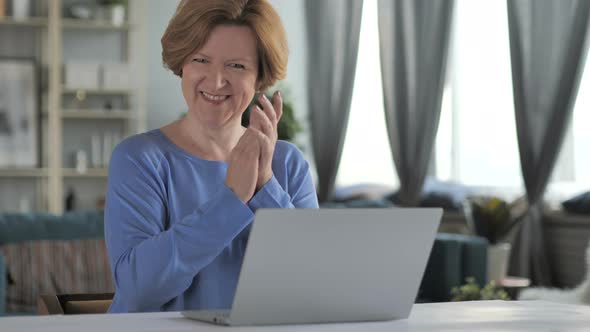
(475, 152)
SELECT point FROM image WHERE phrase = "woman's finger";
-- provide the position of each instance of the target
(254, 118)
(263, 123)
(265, 145)
(277, 101)
(268, 108)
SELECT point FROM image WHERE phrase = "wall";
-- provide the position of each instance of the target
(164, 97)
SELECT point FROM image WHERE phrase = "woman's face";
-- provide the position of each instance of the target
(219, 80)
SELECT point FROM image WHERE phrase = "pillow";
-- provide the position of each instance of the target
(442, 200)
(453, 193)
(358, 203)
(361, 191)
(48, 267)
(16, 227)
(369, 203)
(578, 204)
(431, 199)
(435, 193)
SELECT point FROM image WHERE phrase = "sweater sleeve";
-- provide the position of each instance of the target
(298, 191)
(152, 264)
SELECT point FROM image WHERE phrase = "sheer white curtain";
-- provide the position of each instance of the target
(333, 32)
(366, 156)
(572, 171)
(476, 142)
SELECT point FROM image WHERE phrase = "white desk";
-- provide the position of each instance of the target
(461, 316)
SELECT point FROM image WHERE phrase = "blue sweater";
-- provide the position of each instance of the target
(175, 233)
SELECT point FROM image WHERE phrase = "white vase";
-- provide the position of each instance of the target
(498, 255)
(117, 14)
(21, 9)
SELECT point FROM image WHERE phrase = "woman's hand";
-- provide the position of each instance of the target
(265, 121)
(242, 173)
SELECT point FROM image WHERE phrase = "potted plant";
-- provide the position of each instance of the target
(471, 292)
(494, 219)
(288, 126)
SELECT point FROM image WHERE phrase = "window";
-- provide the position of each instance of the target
(476, 143)
(571, 174)
(366, 154)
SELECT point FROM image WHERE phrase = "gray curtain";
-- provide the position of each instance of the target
(333, 28)
(414, 38)
(547, 52)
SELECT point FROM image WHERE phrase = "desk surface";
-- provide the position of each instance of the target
(463, 316)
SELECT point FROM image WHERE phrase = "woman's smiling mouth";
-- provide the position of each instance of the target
(215, 99)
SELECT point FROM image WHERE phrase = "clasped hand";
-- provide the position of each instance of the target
(250, 162)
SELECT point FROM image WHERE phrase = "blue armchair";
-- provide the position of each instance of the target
(453, 258)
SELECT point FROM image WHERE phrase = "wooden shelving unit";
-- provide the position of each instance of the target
(33, 22)
(89, 173)
(96, 114)
(93, 24)
(66, 23)
(58, 113)
(23, 172)
(97, 92)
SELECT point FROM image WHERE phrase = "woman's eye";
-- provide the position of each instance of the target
(237, 66)
(200, 60)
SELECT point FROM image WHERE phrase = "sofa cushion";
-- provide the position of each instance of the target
(431, 199)
(579, 204)
(453, 258)
(58, 267)
(358, 204)
(361, 191)
(17, 227)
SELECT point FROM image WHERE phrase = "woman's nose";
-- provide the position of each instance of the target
(217, 79)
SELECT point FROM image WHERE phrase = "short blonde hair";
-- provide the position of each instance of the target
(191, 25)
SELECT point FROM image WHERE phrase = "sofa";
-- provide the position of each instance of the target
(41, 253)
(47, 254)
(454, 258)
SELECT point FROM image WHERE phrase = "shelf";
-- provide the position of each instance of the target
(31, 22)
(56, 39)
(67, 23)
(70, 23)
(101, 92)
(43, 172)
(23, 172)
(90, 173)
(96, 114)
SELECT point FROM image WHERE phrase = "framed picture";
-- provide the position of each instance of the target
(19, 112)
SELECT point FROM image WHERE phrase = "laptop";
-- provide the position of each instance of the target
(307, 266)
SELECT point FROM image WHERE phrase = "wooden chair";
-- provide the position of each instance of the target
(74, 304)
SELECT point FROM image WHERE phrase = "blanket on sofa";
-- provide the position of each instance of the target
(54, 267)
